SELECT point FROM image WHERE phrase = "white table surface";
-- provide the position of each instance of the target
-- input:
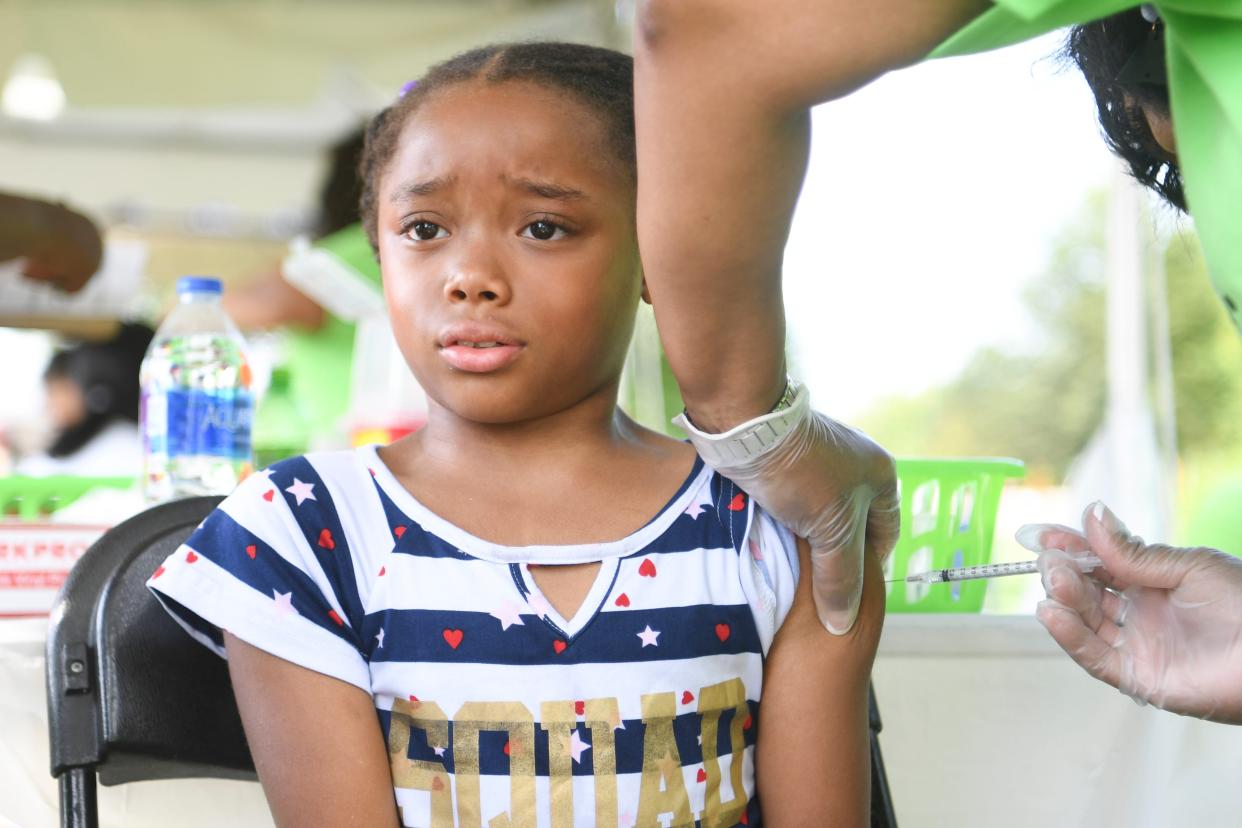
(986, 723)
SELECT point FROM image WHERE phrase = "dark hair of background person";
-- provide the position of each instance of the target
(338, 195)
(1101, 50)
(602, 79)
(107, 374)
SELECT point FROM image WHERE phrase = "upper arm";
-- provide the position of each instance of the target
(315, 740)
(812, 758)
(795, 53)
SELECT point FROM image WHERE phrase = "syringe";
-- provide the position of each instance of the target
(1086, 563)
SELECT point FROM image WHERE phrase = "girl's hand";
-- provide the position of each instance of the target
(1161, 624)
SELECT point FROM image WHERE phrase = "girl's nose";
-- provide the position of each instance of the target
(475, 282)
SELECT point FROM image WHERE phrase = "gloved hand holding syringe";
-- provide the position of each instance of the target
(1086, 563)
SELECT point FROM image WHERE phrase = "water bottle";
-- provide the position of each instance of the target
(196, 399)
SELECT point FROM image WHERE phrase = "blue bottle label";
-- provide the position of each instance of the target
(212, 423)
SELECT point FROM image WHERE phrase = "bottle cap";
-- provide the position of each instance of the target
(199, 284)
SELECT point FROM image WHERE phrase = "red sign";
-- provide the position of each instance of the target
(35, 559)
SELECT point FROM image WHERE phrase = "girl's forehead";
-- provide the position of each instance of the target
(515, 126)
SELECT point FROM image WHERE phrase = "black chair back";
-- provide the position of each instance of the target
(115, 659)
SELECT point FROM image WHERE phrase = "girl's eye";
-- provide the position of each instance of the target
(543, 230)
(426, 231)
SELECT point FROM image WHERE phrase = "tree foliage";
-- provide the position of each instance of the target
(1044, 403)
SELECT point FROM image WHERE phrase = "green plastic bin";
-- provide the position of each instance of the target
(32, 498)
(948, 516)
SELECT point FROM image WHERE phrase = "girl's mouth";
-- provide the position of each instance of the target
(478, 347)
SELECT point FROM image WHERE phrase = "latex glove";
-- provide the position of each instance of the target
(1161, 624)
(835, 487)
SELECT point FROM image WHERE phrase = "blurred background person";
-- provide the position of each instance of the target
(92, 403)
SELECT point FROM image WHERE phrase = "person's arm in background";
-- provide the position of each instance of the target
(1161, 624)
(316, 742)
(812, 759)
(61, 246)
(266, 301)
(723, 90)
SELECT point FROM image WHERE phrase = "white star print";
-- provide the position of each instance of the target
(649, 637)
(538, 605)
(380, 637)
(701, 502)
(507, 615)
(284, 602)
(265, 473)
(577, 746)
(302, 491)
(439, 751)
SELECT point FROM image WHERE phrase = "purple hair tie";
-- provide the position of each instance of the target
(406, 87)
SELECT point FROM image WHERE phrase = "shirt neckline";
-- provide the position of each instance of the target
(476, 547)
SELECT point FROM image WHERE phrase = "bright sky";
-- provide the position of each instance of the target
(931, 200)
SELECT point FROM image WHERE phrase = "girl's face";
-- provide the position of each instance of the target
(507, 242)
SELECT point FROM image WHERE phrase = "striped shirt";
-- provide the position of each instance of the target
(640, 710)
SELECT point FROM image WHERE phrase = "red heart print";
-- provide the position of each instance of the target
(580, 708)
(506, 748)
(252, 550)
(436, 784)
(738, 503)
(743, 819)
(687, 697)
(371, 470)
(325, 539)
(747, 722)
(702, 777)
(383, 569)
(158, 572)
(336, 619)
(623, 600)
(269, 494)
(190, 557)
(398, 531)
(722, 632)
(414, 702)
(559, 646)
(453, 637)
(647, 568)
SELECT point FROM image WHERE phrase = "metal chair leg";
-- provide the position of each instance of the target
(882, 814)
(79, 807)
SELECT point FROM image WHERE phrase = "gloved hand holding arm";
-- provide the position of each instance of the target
(827, 482)
(1161, 624)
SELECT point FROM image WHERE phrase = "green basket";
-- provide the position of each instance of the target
(948, 515)
(32, 498)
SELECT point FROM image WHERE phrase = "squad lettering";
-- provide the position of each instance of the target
(662, 790)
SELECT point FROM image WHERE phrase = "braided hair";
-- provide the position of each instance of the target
(601, 79)
(1102, 50)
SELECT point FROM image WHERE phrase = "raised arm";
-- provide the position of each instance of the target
(315, 740)
(723, 90)
(722, 95)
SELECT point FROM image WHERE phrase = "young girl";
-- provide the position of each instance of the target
(556, 616)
